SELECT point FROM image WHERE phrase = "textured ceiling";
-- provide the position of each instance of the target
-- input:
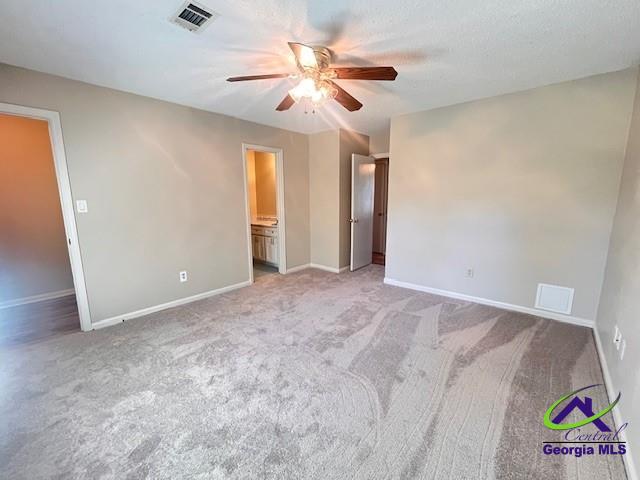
(445, 52)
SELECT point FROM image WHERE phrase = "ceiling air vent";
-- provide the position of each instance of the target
(194, 16)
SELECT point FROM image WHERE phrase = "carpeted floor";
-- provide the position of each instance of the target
(306, 376)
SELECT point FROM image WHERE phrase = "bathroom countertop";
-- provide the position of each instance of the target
(264, 223)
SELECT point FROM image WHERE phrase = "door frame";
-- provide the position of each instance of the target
(280, 209)
(66, 201)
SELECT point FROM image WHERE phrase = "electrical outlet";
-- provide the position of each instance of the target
(183, 276)
(617, 337)
(469, 272)
(623, 346)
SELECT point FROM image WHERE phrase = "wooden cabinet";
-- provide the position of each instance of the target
(264, 242)
(258, 247)
(271, 250)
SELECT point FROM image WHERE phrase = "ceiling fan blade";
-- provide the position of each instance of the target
(286, 103)
(257, 77)
(366, 73)
(305, 56)
(345, 99)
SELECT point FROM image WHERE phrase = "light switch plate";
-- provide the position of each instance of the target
(81, 206)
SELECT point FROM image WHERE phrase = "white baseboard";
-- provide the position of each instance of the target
(107, 322)
(328, 269)
(493, 303)
(298, 268)
(629, 463)
(37, 298)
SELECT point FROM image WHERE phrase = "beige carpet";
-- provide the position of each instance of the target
(306, 376)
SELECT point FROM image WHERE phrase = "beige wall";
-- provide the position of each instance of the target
(324, 197)
(265, 177)
(520, 187)
(350, 142)
(330, 191)
(164, 184)
(34, 258)
(620, 304)
(379, 141)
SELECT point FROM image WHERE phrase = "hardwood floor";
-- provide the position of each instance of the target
(378, 258)
(36, 322)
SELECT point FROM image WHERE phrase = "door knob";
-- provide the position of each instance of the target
(353, 220)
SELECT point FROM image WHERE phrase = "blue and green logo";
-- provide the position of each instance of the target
(583, 405)
(576, 440)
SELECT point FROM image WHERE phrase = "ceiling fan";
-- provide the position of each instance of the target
(317, 78)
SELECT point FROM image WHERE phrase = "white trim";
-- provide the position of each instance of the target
(174, 303)
(328, 269)
(247, 213)
(632, 473)
(378, 156)
(298, 268)
(36, 298)
(66, 201)
(280, 207)
(583, 322)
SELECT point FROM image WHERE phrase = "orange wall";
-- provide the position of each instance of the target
(33, 251)
(265, 183)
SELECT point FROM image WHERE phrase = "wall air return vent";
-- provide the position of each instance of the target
(194, 16)
(554, 298)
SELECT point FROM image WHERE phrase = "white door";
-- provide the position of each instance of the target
(362, 182)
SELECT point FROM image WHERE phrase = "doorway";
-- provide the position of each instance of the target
(369, 192)
(381, 188)
(42, 291)
(264, 188)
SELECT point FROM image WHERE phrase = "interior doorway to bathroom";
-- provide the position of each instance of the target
(265, 210)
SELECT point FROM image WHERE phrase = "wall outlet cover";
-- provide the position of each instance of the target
(617, 337)
(183, 276)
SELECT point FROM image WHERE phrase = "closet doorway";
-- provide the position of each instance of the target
(264, 185)
(380, 196)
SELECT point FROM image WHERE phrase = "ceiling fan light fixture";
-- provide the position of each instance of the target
(305, 89)
(316, 91)
(316, 77)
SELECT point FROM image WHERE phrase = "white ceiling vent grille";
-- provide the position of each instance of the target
(194, 16)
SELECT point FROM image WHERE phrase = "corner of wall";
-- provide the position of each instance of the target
(618, 305)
